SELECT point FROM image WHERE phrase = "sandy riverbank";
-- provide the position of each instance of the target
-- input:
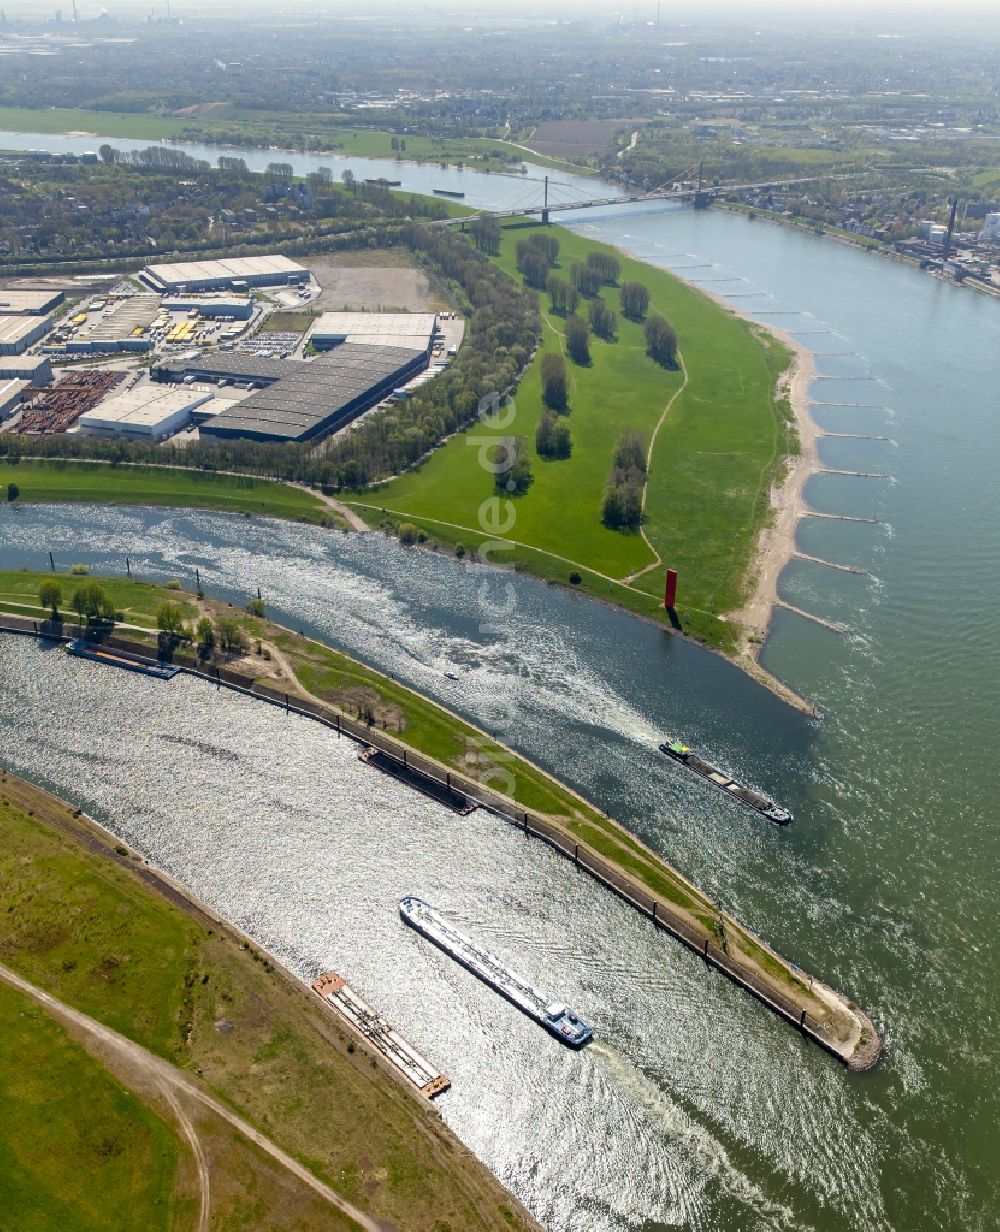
(776, 543)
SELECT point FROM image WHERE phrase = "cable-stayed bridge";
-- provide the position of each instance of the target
(553, 197)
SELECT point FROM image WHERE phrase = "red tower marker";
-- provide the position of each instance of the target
(670, 589)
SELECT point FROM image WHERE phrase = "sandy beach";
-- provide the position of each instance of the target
(776, 544)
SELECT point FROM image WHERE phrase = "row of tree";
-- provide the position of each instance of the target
(621, 508)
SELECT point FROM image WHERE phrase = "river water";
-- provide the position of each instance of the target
(695, 1108)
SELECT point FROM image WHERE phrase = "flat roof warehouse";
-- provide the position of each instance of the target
(269, 271)
(301, 401)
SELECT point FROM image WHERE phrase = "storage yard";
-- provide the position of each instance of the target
(58, 408)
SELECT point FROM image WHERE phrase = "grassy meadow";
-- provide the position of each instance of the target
(81, 924)
(716, 454)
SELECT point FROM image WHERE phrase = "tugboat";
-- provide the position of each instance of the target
(736, 791)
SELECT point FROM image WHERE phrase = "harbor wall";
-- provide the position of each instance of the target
(661, 914)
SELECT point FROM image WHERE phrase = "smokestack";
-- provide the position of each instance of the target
(951, 228)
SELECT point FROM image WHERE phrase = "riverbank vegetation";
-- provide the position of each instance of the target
(85, 921)
(716, 452)
(107, 484)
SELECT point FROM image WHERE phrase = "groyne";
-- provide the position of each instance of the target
(848, 1033)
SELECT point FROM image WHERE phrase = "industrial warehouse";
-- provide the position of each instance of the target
(414, 330)
(19, 333)
(25, 301)
(293, 400)
(150, 412)
(235, 274)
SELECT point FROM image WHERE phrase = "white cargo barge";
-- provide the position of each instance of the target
(555, 1017)
(336, 992)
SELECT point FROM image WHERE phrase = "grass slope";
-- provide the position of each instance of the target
(150, 485)
(716, 454)
(135, 601)
(79, 1153)
(81, 924)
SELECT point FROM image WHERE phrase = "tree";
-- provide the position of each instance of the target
(486, 235)
(605, 266)
(349, 181)
(552, 437)
(546, 244)
(170, 619)
(634, 300)
(50, 596)
(586, 279)
(630, 452)
(13, 491)
(553, 370)
(205, 635)
(231, 635)
(511, 466)
(577, 346)
(91, 602)
(661, 341)
(532, 265)
(602, 320)
(563, 297)
(622, 506)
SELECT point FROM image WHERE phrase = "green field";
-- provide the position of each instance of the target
(79, 1153)
(263, 129)
(716, 454)
(150, 485)
(81, 925)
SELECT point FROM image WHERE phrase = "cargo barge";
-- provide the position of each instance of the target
(380, 183)
(382, 1035)
(443, 793)
(555, 1017)
(124, 659)
(734, 790)
(448, 192)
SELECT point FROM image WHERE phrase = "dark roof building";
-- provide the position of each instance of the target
(296, 400)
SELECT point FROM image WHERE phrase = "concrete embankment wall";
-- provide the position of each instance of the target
(662, 915)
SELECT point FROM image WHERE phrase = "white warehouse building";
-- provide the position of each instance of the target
(150, 412)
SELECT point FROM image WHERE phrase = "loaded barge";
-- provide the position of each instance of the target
(337, 993)
(734, 790)
(124, 659)
(448, 192)
(555, 1017)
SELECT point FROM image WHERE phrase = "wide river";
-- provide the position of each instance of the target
(695, 1108)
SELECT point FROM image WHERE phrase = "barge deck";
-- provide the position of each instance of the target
(125, 659)
(382, 1035)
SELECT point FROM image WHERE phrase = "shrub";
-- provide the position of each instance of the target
(79, 570)
(408, 534)
(575, 579)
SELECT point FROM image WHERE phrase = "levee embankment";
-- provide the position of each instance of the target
(640, 878)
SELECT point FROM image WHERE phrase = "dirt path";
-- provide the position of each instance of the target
(204, 1181)
(173, 1083)
(658, 559)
